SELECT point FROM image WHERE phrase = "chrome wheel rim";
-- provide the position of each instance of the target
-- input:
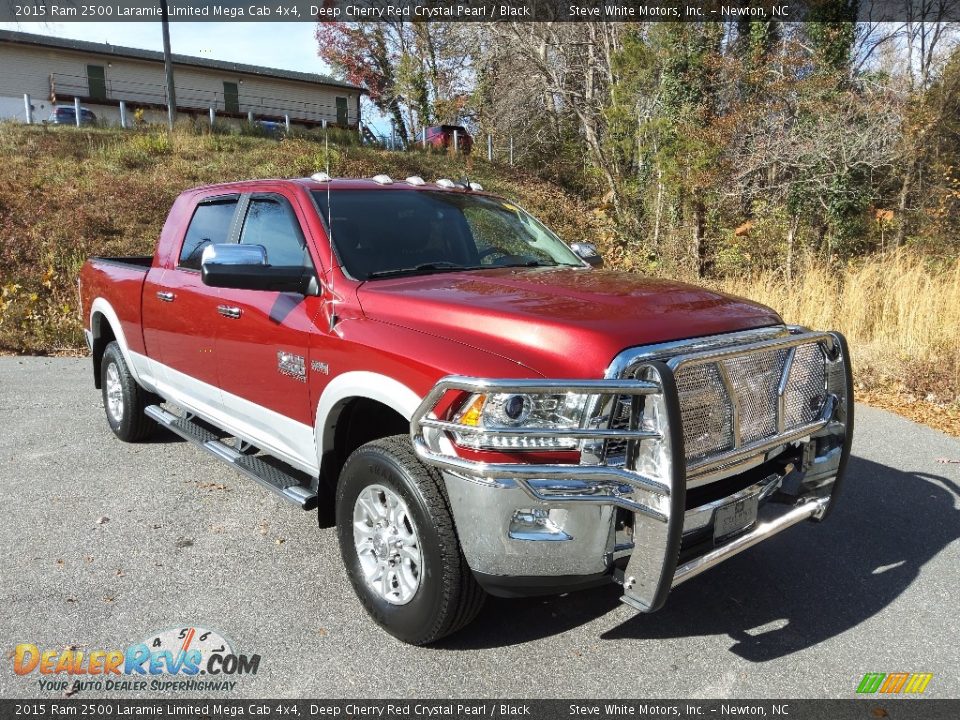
(385, 538)
(114, 393)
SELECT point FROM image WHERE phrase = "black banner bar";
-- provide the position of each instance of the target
(853, 709)
(71, 11)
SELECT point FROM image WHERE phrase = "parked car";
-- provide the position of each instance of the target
(67, 115)
(475, 408)
(271, 128)
(442, 136)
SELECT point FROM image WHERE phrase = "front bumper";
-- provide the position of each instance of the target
(525, 527)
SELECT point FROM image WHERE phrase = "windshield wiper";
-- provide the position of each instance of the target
(422, 268)
(530, 263)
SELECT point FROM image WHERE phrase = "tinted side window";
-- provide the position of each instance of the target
(210, 225)
(272, 224)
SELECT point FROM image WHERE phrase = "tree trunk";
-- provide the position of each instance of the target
(905, 187)
(658, 213)
(699, 246)
(791, 242)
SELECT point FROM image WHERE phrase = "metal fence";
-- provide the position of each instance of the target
(270, 114)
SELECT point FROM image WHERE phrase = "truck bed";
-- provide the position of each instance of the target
(118, 282)
(138, 261)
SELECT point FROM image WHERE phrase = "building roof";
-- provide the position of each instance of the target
(136, 53)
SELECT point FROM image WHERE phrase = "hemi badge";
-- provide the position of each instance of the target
(320, 367)
(291, 365)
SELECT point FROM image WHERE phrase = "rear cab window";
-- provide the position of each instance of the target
(211, 224)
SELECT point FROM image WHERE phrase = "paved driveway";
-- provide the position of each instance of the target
(106, 543)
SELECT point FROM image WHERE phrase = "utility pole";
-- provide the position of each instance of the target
(168, 65)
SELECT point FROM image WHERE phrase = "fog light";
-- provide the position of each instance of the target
(536, 524)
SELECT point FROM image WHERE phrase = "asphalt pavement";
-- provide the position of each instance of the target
(105, 544)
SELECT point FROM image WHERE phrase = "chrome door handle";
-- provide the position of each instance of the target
(165, 296)
(229, 312)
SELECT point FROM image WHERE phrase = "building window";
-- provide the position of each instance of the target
(231, 97)
(342, 117)
(96, 82)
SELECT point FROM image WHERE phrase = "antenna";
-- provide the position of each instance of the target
(333, 251)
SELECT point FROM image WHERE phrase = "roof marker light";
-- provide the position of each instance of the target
(382, 179)
(415, 180)
(321, 177)
(445, 183)
(476, 187)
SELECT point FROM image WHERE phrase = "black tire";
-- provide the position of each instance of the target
(448, 597)
(132, 425)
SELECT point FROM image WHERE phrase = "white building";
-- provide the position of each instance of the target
(55, 70)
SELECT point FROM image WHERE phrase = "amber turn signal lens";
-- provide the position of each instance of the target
(470, 413)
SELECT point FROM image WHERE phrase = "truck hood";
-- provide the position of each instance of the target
(560, 322)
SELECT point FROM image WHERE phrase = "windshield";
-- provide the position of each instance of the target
(382, 233)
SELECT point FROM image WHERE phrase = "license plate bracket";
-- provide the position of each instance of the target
(735, 516)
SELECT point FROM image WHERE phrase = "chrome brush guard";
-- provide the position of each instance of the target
(737, 400)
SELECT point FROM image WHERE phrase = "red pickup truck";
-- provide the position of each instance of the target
(475, 407)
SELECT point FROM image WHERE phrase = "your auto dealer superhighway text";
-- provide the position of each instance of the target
(361, 12)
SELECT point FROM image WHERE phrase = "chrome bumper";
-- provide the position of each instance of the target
(523, 520)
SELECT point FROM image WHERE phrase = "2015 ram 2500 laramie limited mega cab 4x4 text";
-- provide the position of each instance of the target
(476, 408)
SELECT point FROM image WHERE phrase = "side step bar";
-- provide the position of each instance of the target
(283, 480)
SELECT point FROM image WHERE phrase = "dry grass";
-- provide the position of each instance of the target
(901, 316)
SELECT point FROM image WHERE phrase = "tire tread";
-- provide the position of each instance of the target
(138, 425)
(463, 597)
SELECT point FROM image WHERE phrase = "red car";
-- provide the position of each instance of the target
(449, 136)
(477, 409)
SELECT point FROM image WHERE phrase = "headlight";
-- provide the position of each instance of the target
(506, 411)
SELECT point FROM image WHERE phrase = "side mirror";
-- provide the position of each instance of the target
(588, 253)
(245, 267)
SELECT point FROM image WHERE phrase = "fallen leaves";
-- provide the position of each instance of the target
(939, 416)
(210, 486)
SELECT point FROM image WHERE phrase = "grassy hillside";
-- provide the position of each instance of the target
(67, 193)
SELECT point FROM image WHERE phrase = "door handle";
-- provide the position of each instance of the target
(165, 296)
(229, 312)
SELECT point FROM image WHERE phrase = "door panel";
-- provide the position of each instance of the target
(263, 341)
(231, 97)
(180, 312)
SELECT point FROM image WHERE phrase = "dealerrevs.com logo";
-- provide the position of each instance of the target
(179, 659)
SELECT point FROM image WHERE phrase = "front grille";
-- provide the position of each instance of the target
(706, 410)
(805, 394)
(733, 402)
